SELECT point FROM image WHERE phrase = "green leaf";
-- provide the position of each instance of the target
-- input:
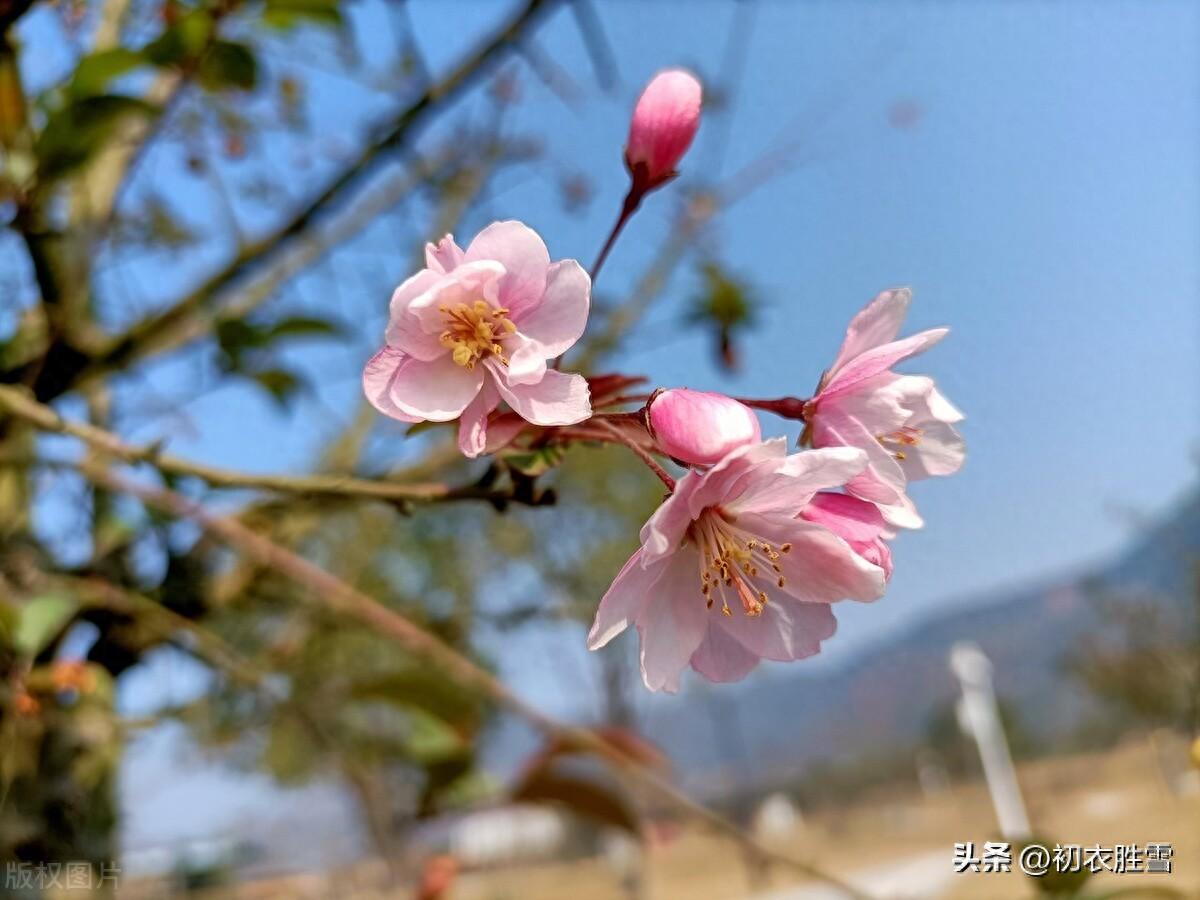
(40, 620)
(228, 64)
(301, 326)
(535, 462)
(290, 13)
(184, 40)
(281, 384)
(81, 128)
(96, 70)
(430, 739)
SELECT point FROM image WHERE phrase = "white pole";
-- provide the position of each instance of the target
(980, 717)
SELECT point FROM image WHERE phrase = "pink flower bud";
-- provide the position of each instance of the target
(699, 427)
(665, 120)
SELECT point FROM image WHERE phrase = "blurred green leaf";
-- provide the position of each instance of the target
(96, 70)
(725, 306)
(290, 13)
(228, 64)
(184, 40)
(281, 384)
(431, 740)
(81, 128)
(40, 620)
(299, 326)
(534, 462)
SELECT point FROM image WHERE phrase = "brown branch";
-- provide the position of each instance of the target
(19, 404)
(332, 593)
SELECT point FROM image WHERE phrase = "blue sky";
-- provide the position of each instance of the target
(1045, 204)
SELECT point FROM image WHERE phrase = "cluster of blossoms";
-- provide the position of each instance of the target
(752, 545)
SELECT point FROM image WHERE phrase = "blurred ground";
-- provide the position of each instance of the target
(894, 844)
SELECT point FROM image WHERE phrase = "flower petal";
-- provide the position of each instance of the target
(444, 256)
(525, 258)
(526, 361)
(404, 330)
(558, 399)
(788, 487)
(876, 324)
(722, 481)
(468, 282)
(437, 390)
(377, 377)
(846, 516)
(557, 322)
(820, 567)
(721, 658)
(879, 359)
(665, 529)
(672, 622)
(882, 481)
(624, 599)
(472, 427)
(786, 630)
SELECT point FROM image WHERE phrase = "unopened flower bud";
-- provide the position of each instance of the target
(699, 427)
(665, 120)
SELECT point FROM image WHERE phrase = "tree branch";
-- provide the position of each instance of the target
(16, 403)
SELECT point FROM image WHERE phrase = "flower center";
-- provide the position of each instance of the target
(475, 331)
(907, 436)
(734, 562)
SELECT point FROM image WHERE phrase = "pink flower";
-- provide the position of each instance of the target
(727, 573)
(476, 327)
(859, 523)
(903, 422)
(699, 427)
(664, 123)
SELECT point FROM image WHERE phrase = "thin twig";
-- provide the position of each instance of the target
(17, 403)
(641, 454)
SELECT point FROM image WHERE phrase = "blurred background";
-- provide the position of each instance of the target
(205, 207)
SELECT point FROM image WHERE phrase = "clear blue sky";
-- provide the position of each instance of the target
(1045, 204)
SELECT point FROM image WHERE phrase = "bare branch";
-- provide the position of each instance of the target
(16, 403)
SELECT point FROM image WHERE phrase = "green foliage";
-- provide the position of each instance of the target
(245, 349)
(40, 620)
(182, 42)
(97, 70)
(227, 64)
(290, 13)
(725, 307)
(81, 128)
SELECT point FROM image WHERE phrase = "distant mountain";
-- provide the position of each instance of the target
(886, 695)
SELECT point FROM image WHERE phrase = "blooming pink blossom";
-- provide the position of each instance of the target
(700, 427)
(727, 573)
(476, 327)
(903, 422)
(858, 522)
(664, 123)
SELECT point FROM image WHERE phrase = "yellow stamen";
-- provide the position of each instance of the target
(475, 331)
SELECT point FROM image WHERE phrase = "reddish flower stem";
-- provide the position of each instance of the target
(632, 201)
(641, 454)
(788, 407)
